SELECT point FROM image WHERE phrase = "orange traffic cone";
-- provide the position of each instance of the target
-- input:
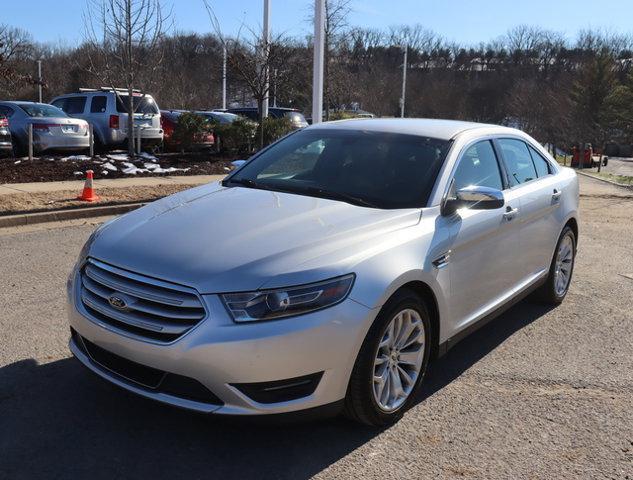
(88, 195)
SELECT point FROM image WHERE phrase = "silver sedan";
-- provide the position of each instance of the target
(52, 128)
(327, 271)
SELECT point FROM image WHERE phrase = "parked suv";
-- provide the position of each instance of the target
(295, 116)
(108, 116)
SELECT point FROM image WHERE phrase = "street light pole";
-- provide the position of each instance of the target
(404, 81)
(266, 34)
(224, 77)
(317, 66)
(39, 79)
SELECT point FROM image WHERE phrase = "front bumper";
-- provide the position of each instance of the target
(219, 354)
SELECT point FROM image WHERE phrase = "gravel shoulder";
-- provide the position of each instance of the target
(539, 393)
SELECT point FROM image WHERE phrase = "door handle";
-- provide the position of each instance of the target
(510, 213)
(556, 195)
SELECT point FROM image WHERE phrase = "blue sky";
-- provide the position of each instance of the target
(466, 21)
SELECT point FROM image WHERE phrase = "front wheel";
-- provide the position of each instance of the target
(561, 269)
(391, 363)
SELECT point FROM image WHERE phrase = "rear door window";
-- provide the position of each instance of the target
(75, 105)
(518, 161)
(542, 166)
(98, 104)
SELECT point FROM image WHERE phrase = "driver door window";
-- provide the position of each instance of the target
(478, 166)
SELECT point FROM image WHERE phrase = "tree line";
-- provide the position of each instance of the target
(560, 91)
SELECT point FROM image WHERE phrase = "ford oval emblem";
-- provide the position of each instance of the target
(117, 302)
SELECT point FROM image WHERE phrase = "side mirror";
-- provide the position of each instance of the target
(238, 163)
(474, 197)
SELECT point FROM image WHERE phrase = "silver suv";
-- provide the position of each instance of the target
(108, 116)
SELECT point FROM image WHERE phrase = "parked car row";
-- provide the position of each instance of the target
(63, 125)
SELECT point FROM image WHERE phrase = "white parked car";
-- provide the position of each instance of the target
(327, 271)
(52, 129)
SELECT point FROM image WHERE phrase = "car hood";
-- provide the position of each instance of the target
(219, 239)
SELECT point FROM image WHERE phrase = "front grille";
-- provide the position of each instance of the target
(148, 378)
(139, 305)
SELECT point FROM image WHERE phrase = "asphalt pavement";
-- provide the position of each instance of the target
(540, 392)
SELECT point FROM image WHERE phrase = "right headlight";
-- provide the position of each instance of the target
(285, 302)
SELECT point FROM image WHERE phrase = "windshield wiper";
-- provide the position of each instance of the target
(332, 195)
(245, 182)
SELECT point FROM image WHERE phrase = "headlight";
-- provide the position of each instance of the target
(285, 302)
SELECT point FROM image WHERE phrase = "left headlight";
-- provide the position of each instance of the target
(285, 302)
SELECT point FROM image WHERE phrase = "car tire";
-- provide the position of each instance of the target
(562, 264)
(361, 403)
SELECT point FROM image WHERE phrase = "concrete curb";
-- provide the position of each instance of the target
(69, 214)
(621, 185)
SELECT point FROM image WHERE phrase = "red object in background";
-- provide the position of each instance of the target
(587, 157)
(168, 127)
(114, 121)
(168, 122)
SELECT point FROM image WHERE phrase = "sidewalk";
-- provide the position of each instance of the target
(77, 185)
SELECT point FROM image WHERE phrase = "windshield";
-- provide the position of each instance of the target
(382, 170)
(41, 110)
(144, 105)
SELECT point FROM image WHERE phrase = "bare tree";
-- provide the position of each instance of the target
(15, 47)
(251, 57)
(125, 38)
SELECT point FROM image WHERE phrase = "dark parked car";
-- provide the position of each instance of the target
(169, 121)
(6, 146)
(295, 116)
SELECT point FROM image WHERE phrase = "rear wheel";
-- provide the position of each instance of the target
(561, 269)
(391, 363)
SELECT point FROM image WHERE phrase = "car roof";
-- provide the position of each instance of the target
(440, 129)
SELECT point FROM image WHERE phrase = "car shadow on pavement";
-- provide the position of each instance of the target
(59, 421)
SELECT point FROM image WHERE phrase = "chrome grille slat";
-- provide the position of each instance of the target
(145, 307)
(132, 318)
(160, 309)
(148, 293)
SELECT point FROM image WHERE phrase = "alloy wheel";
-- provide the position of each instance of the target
(398, 360)
(564, 264)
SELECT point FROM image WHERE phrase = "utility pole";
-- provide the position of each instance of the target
(224, 77)
(39, 79)
(275, 88)
(317, 65)
(404, 81)
(266, 41)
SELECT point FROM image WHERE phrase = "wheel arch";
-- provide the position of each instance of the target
(573, 224)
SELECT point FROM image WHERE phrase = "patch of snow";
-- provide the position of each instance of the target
(119, 157)
(76, 158)
(227, 169)
(148, 156)
(133, 170)
(109, 166)
(17, 161)
(104, 172)
(78, 173)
